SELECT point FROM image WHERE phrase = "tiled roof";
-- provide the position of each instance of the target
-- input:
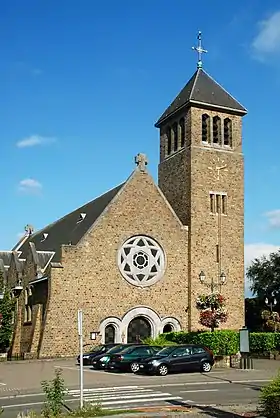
(69, 229)
(202, 89)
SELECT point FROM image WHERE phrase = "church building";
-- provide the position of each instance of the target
(134, 258)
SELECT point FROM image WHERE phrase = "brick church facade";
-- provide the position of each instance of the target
(131, 258)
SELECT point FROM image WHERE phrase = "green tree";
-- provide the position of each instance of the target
(7, 306)
(264, 275)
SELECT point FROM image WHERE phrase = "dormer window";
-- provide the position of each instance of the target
(81, 217)
(44, 236)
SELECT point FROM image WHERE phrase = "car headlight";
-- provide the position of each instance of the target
(104, 359)
(85, 357)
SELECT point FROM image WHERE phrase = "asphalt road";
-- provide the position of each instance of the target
(213, 391)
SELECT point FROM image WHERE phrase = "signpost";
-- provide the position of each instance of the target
(80, 332)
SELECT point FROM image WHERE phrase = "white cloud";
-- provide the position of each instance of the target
(267, 41)
(273, 218)
(257, 250)
(30, 186)
(34, 140)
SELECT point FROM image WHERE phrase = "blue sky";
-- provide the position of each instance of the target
(82, 84)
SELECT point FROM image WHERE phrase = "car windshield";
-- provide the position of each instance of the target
(165, 351)
(127, 350)
(116, 349)
(96, 348)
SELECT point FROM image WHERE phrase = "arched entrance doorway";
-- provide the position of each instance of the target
(138, 329)
(167, 328)
(110, 334)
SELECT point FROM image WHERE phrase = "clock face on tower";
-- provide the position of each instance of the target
(218, 166)
(141, 261)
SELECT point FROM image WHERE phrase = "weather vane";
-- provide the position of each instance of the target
(199, 50)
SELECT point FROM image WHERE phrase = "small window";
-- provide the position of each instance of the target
(216, 130)
(224, 204)
(218, 203)
(175, 137)
(212, 203)
(205, 128)
(182, 132)
(168, 134)
(28, 308)
(198, 350)
(227, 132)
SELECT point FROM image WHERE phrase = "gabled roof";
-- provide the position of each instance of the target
(202, 89)
(69, 229)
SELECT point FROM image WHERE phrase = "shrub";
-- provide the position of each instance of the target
(261, 342)
(270, 399)
(222, 342)
(160, 340)
(55, 391)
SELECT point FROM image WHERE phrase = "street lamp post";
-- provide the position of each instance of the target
(212, 284)
(271, 305)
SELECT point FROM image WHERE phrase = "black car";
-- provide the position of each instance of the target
(95, 351)
(129, 358)
(100, 362)
(178, 359)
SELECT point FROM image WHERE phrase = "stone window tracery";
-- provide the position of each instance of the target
(141, 261)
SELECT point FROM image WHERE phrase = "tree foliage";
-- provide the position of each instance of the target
(7, 306)
(264, 275)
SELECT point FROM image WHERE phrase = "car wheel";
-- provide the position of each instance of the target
(134, 367)
(162, 370)
(206, 367)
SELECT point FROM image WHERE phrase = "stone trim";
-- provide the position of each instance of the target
(116, 323)
(147, 313)
(170, 320)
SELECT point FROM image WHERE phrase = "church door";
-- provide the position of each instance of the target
(110, 334)
(138, 329)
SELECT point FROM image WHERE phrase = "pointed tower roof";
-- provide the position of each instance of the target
(203, 91)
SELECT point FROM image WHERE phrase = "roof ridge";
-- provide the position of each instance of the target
(194, 83)
(219, 85)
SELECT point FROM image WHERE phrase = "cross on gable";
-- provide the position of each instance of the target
(141, 161)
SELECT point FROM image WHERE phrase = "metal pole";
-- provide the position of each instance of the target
(80, 331)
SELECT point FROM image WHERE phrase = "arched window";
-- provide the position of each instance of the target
(110, 333)
(216, 130)
(175, 136)
(168, 134)
(182, 132)
(227, 132)
(167, 328)
(28, 308)
(205, 128)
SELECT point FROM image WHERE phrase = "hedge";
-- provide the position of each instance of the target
(223, 342)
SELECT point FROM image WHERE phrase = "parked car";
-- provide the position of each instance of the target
(178, 359)
(95, 351)
(99, 362)
(129, 358)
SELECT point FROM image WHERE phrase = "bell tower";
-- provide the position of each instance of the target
(201, 173)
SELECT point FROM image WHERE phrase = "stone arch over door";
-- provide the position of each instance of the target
(146, 314)
(105, 329)
(170, 324)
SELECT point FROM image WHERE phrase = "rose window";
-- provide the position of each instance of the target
(141, 261)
